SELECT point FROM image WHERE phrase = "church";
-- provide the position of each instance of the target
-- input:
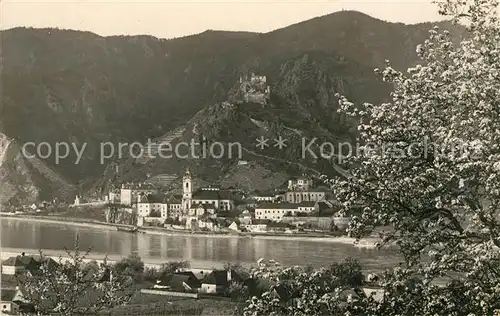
(205, 202)
(210, 196)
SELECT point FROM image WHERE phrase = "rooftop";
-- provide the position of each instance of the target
(8, 294)
(307, 204)
(264, 194)
(277, 206)
(219, 277)
(174, 199)
(177, 280)
(138, 186)
(153, 198)
(206, 206)
(212, 195)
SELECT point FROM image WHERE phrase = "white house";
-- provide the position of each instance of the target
(204, 223)
(275, 211)
(209, 224)
(149, 203)
(306, 207)
(197, 210)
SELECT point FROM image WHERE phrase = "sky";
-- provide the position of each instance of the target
(170, 19)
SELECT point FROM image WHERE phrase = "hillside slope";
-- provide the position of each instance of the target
(25, 180)
(81, 88)
(302, 106)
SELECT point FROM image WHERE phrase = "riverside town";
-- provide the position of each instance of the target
(250, 158)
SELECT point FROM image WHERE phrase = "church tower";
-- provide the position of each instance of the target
(187, 190)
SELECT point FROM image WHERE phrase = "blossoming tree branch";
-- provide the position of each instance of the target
(440, 204)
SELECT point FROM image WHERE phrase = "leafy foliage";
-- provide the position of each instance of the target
(73, 287)
(131, 266)
(305, 291)
(429, 171)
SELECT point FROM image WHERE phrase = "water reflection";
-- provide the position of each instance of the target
(32, 235)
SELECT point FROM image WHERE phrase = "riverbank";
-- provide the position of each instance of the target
(58, 220)
(156, 263)
(369, 243)
(365, 243)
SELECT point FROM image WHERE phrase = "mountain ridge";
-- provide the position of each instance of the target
(82, 88)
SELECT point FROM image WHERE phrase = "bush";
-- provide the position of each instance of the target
(131, 266)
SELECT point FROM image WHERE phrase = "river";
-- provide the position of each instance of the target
(201, 251)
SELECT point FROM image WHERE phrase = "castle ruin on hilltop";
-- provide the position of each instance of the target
(253, 89)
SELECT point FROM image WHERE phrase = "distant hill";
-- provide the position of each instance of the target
(62, 85)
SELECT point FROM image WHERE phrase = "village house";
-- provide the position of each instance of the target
(26, 264)
(174, 206)
(306, 207)
(200, 274)
(179, 282)
(275, 211)
(13, 301)
(204, 223)
(129, 192)
(218, 281)
(209, 224)
(198, 210)
(148, 204)
(19, 264)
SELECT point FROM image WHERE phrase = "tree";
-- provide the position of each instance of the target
(429, 169)
(151, 274)
(169, 221)
(305, 291)
(72, 287)
(131, 266)
(238, 268)
(171, 267)
(237, 292)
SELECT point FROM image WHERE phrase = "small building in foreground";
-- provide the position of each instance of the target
(218, 281)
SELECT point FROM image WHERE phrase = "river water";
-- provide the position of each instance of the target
(201, 251)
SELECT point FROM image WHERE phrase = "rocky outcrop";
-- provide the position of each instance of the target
(24, 180)
(16, 182)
